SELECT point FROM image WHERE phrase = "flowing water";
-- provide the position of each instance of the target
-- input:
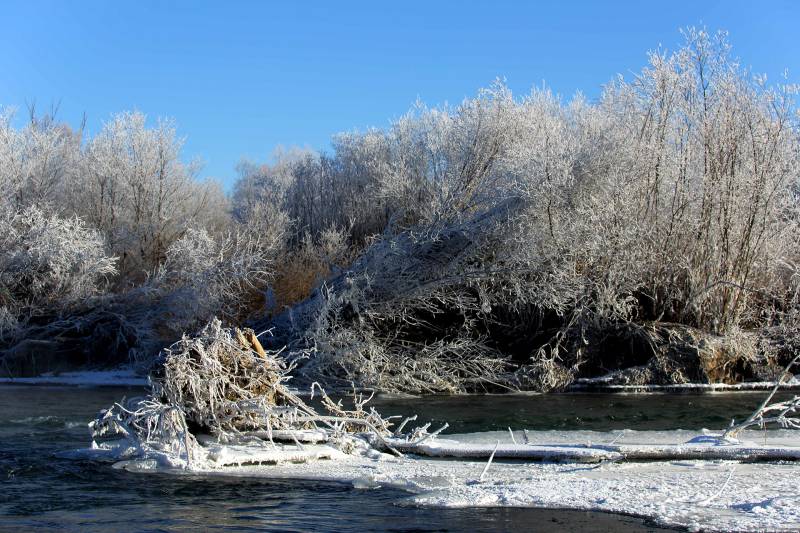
(41, 490)
(589, 411)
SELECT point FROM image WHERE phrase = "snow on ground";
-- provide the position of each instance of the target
(121, 377)
(708, 495)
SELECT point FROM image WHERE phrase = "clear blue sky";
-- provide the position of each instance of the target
(241, 78)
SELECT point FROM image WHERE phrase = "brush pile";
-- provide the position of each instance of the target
(223, 386)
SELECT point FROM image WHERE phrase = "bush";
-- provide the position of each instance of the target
(49, 263)
(202, 278)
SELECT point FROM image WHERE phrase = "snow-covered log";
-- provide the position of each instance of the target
(457, 450)
(701, 448)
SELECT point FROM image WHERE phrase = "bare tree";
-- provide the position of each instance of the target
(138, 192)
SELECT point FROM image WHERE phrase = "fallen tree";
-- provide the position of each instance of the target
(405, 316)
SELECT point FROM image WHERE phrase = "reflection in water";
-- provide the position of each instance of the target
(41, 490)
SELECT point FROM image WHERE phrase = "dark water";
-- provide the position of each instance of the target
(39, 490)
(589, 411)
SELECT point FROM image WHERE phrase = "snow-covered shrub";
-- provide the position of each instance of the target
(203, 277)
(136, 190)
(545, 227)
(49, 263)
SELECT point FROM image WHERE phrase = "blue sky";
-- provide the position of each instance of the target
(241, 78)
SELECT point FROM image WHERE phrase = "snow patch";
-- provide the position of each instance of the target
(606, 384)
(717, 495)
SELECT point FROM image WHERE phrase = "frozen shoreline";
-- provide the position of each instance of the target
(696, 494)
(88, 378)
(128, 378)
(603, 384)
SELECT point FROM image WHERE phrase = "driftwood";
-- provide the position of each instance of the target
(784, 414)
(223, 383)
(703, 448)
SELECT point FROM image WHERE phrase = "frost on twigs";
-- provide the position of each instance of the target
(224, 384)
(557, 233)
(785, 414)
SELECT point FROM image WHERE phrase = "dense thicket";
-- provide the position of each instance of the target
(530, 241)
(504, 242)
(110, 246)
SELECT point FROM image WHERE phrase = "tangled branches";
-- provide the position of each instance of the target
(222, 379)
(784, 414)
(224, 384)
(452, 366)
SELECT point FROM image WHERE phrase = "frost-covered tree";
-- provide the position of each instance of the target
(37, 160)
(137, 191)
(563, 227)
(94, 217)
(503, 241)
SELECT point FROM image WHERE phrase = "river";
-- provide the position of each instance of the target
(43, 490)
